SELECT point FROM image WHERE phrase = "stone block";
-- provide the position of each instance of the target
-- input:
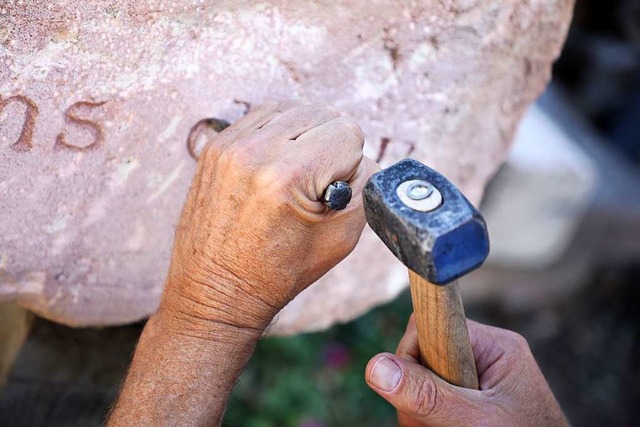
(98, 100)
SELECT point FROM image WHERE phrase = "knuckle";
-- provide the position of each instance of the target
(268, 105)
(425, 399)
(332, 111)
(288, 105)
(238, 156)
(228, 157)
(317, 111)
(274, 178)
(210, 150)
(351, 127)
(267, 178)
(321, 107)
(517, 341)
(329, 111)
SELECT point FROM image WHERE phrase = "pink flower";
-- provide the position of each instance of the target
(336, 356)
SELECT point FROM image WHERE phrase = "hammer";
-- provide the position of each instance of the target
(436, 232)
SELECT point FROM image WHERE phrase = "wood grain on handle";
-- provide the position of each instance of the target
(442, 331)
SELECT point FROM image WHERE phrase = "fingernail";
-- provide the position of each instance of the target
(386, 374)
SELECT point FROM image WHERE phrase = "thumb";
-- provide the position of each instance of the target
(418, 393)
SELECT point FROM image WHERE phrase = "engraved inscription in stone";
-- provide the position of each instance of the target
(111, 236)
(201, 132)
(71, 117)
(25, 140)
(384, 144)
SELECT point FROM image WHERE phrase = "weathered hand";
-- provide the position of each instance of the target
(253, 233)
(513, 391)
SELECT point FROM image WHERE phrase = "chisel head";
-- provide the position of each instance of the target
(425, 221)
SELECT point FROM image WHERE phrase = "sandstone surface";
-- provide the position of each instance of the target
(98, 100)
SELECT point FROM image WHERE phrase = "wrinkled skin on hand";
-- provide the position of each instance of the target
(253, 233)
(513, 391)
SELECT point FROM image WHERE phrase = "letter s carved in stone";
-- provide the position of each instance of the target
(71, 116)
(25, 140)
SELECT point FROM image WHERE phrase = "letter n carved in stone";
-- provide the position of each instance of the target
(25, 140)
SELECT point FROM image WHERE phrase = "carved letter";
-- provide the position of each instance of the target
(201, 132)
(71, 117)
(25, 141)
(245, 104)
(384, 144)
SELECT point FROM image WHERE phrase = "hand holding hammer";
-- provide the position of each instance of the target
(435, 231)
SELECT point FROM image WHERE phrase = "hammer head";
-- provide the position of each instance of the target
(435, 231)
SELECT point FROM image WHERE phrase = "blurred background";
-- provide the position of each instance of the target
(564, 218)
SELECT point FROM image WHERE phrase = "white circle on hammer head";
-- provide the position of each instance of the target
(420, 191)
(429, 203)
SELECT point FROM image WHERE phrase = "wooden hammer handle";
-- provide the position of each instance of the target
(443, 336)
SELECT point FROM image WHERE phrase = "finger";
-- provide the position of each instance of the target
(264, 114)
(268, 136)
(253, 120)
(357, 182)
(296, 121)
(353, 214)
(243, 127)
(418, 393)
(495, 350)
(408, 348)
(331, 151)
(351, 219)
(490, 343)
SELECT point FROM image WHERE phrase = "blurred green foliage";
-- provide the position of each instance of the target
(317, 380)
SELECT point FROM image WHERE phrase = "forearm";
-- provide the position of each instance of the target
(182, 378)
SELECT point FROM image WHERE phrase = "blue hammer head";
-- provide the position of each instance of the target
(425, 221)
